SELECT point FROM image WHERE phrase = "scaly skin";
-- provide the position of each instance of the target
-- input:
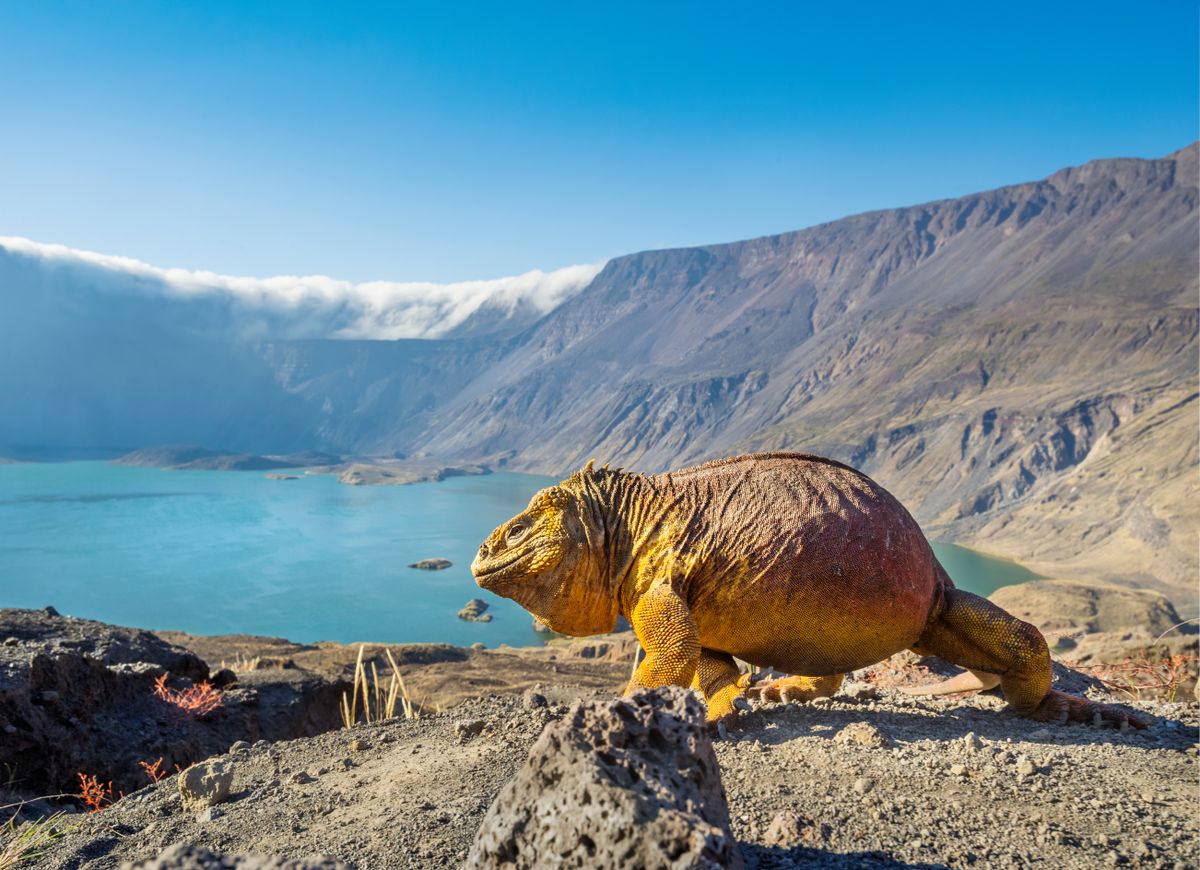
(782, 560)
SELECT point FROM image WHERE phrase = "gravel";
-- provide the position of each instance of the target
(950, 782)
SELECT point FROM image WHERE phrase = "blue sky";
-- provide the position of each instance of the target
(447, 141)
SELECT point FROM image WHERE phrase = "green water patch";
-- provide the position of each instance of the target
(977, 572)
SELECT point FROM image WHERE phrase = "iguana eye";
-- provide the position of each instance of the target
(517, 531)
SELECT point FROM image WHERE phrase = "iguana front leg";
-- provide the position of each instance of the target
(665, 628)
(722, 683)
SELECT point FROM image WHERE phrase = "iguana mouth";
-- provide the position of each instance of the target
(483, 575)
(492, 569)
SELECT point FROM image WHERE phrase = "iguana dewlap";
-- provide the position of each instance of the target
(783, 560)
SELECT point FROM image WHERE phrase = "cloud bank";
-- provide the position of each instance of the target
(283, 307)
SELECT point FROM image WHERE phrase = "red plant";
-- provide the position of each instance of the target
(153, 770)
(93, 794)
(1153, 677)
(194, 701)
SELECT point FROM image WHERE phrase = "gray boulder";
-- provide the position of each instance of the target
(205, 784)
(618, 783)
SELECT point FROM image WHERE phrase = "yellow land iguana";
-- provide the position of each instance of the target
(783, 560)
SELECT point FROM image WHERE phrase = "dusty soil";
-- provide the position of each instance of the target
(957, 782)
(872, 777)
(438, 676)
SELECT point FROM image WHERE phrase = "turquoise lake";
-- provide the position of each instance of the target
(222, 552)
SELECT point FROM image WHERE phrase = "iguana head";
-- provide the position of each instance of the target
(548, 559)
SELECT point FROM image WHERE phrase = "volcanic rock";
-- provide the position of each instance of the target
(473, 611)
(620, 783)
(205, 784)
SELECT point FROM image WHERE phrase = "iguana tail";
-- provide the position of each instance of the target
(967, 681)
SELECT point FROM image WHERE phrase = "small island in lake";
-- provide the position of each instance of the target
(353, 471)
(192, 457)
(432, 564)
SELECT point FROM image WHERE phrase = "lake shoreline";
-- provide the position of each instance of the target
(221, 552)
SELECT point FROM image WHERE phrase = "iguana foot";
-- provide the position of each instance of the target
(1062, 708)
(788, 689)
(725, 703)
(719, 725)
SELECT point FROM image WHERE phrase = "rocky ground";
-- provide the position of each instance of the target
(872, 777)
(438, 676)
(79, 696)
(852, 781)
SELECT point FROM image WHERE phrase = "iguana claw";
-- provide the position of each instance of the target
(1062, 708)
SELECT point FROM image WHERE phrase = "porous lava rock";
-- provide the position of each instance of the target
(617, 783)
(205, 784)
(78, 696)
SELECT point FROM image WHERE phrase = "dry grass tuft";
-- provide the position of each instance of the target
(241, 664)
(29, 841)
(378, 703)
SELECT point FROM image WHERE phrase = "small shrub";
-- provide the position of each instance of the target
(194, 701)
(154, 771)
(1144, 676)
(94, 795)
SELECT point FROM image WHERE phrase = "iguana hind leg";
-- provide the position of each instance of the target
(976, 634)
(797, 688)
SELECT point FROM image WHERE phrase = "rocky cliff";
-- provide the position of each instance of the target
(1019, 366)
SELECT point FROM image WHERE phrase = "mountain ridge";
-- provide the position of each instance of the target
(1017, 365)
(1040, 317)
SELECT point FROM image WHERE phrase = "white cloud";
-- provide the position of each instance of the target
(313, 306)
